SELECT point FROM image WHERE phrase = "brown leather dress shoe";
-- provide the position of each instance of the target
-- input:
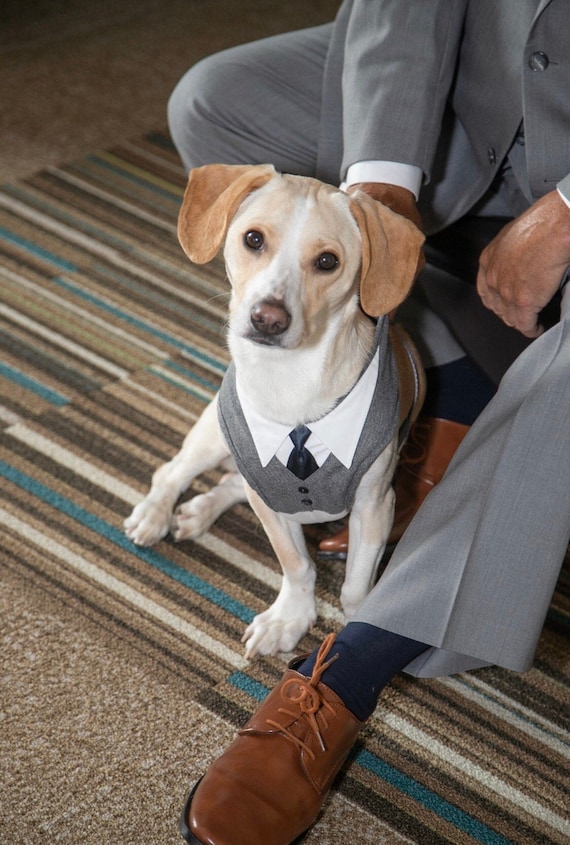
(335, 546)
(424, 458)
(270, 784)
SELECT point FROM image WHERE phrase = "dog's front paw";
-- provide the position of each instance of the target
(270, 636)
(194, 517)
(191, 520)
(148, 523)
(276, 630)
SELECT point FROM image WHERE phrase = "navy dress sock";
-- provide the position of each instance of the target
(457, 391)
(368, 659)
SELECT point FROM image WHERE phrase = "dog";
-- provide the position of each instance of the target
(314, 272)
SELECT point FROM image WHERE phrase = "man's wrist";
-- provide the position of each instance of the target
(398, 199)
(563, 223)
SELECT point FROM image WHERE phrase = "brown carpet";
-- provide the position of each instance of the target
(78, 75)
(121, 668)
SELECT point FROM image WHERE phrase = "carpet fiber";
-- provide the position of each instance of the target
(122, 670)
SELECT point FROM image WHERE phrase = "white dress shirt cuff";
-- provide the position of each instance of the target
(390, 172)
(564, 189)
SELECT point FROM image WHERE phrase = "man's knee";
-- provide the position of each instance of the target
(194, 111)
(253, 104)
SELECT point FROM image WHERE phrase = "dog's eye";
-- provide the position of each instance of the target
(327, 261)
(253, 239)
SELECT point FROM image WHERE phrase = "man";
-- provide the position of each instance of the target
(455, 114)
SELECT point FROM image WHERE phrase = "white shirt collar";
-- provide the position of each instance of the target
(337, 432)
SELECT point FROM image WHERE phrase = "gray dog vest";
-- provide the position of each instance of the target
(332, 488)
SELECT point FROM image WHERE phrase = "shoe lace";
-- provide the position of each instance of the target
(308, 699)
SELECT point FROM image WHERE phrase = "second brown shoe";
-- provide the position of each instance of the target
(270, 784)
(423, 461)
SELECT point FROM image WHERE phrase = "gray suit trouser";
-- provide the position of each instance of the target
(474, 574)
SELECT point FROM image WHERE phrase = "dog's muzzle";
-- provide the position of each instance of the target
(269, 319)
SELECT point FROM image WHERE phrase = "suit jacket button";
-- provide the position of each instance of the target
(492, 155)
(538, 61)
(303, 489)
(307, 502)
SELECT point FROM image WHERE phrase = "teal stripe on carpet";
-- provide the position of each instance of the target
(38, 251)
(28, 383)
(189, 374)
(173, 194)
(177, 383)
(430, 800)
(248, 685)
(118, 538)
(136, 322)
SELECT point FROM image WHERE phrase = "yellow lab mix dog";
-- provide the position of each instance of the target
(321, 390)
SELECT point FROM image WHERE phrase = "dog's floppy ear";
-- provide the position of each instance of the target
(212, 196)
(391, 247)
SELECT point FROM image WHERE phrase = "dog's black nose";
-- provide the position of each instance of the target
(270, 317)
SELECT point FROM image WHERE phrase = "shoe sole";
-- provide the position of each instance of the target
(324, 555)
(331, 555)
(184, 829)
(189, 836)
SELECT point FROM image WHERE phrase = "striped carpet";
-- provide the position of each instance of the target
(111, 344)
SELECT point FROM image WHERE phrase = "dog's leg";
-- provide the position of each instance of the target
(294, 611)
(369, 527)
(193, 518)
(203, 449)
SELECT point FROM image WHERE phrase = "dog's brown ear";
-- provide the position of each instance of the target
(212, 196)
(391, 253)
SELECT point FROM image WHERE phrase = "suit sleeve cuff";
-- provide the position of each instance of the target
(390, 172)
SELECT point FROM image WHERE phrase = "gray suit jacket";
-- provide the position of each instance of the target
(473, 575)
(445, 85)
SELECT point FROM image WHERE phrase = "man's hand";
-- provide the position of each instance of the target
(521, 269)
(397, 199)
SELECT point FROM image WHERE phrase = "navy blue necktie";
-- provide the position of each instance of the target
(301, 462)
